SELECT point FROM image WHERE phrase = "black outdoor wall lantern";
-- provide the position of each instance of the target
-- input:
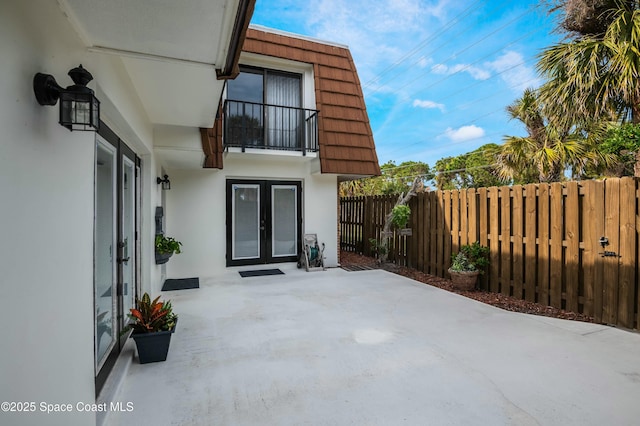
(166, 183)
(79, 108)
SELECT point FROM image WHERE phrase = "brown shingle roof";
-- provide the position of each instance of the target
(345, 137)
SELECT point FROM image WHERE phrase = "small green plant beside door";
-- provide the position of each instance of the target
(165, 248)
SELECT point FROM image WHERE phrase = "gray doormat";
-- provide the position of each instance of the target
(260, 273)
(181, 284)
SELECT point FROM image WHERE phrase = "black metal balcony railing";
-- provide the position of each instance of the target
(253, 125)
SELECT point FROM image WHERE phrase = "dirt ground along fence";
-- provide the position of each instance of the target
(570, 245)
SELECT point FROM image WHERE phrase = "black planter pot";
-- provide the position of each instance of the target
(162, 258)
(153, 347)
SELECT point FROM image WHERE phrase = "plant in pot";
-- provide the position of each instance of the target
(377, 248)
(400, 217)
(165, 248)
(152, 322)
(470, 262)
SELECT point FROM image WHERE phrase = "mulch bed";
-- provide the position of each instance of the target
(495, 299)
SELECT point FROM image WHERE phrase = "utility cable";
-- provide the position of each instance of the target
(420, 45)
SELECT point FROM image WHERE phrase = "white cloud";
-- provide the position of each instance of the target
(514, 72)
(427, 104)
(438, 9)
(378, 33)
(464, 133)
(439, 69)
(478, 73)
(424, 62)
(475, 72)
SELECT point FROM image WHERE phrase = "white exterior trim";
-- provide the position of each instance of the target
(298, 36)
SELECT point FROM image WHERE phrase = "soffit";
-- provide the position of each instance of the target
(170, 50)
(192, 30)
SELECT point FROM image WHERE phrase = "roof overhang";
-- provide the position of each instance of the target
(177, 53)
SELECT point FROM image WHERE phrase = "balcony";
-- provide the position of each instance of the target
(262, 126)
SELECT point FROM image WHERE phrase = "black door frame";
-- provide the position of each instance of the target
(122, 150)
(266, 219)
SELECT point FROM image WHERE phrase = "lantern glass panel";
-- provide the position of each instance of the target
(79, 111)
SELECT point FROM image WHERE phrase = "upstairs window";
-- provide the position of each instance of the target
(264, 109)
(268, 87)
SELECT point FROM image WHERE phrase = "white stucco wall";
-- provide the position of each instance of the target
(46, 212)
(196, 208)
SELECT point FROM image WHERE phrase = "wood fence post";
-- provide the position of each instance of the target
(572, 251)
(627, 276)
(611, 264)
(530, 260)
(517, 214)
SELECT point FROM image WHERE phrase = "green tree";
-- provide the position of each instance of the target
(622, 142)
(594, 76)
(550, 148)
(474, 169)
(395, 179)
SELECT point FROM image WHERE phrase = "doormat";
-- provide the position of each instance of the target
(181, 284)
(260, 273)
(354, 268)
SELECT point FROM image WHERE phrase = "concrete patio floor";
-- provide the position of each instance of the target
(374, 348)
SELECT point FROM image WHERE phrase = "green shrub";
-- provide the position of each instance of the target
(476, 256)
(400, 215)
(460, 263)
(377, 248)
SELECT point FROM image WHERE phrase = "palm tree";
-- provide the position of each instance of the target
(596, 76)
(550, 147)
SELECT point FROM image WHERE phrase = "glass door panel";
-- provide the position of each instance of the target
(246, 222)
(282, 91)
(284, 212)
(245, 113)
(105, 296)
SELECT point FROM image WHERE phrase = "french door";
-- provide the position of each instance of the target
(264, 221)
(116, 246)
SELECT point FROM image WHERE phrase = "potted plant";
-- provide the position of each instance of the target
(165, 248)
(400, 217)
(152, 323)
(470, 262)
(377, 248)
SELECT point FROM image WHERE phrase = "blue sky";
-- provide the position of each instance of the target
(436, 74)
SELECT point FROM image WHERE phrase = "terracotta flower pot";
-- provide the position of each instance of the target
(464, 280)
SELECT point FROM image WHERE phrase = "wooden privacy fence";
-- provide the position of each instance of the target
(544, 241)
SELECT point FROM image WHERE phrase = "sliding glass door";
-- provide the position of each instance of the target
(265, 109)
